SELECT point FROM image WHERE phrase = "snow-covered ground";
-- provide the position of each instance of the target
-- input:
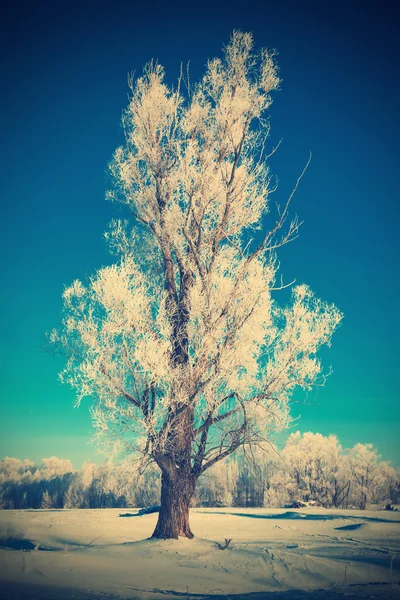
(79, 553)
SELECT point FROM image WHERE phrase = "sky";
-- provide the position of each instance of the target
(64, 69)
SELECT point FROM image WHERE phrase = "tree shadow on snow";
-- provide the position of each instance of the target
(143, 511)
(23, 591)
(13, 540)
(349, 592)
(19, 543)
(289, 515)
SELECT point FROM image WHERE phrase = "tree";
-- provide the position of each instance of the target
(180, 343)
(257, 466)
(312, 468)
(217, 487)
(48, 501)
(370, 477)
(55, 467)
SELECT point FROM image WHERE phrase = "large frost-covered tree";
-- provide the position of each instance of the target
(181, 344)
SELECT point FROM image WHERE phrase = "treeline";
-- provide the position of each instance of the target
(310, 468)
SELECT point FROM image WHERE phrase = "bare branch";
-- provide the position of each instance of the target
(282, 218)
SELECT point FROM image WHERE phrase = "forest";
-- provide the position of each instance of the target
(311, 468)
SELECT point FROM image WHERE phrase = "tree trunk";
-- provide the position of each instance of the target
(177, 489)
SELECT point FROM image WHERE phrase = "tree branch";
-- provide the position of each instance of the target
(282, 218)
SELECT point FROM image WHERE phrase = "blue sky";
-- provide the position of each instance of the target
(64, 74)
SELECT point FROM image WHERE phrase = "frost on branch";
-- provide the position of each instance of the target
(182, 344)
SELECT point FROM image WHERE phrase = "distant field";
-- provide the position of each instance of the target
(307, 553)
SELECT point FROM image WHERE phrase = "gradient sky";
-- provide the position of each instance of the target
(64, 72)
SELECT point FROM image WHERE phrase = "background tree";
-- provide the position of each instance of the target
(235, 481)
(218, 486)
(371, 479)
(181, 344)
(257, 467)
(26, 485)
(310, 469)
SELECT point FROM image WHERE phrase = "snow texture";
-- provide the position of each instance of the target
(308, 553)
